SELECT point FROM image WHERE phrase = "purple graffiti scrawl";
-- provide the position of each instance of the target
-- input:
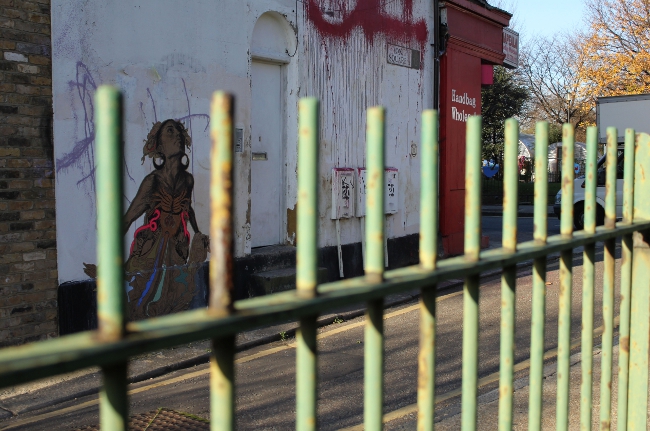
(82, 155)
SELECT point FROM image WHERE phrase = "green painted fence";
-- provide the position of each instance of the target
(115, 341)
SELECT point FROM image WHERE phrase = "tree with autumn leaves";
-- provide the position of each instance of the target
(617, 47)
(566, 73)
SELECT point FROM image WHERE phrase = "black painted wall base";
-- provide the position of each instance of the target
(78, 300)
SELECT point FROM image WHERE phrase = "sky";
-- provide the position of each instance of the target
(544, 17)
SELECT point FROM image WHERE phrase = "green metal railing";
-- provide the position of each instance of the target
(116, 341)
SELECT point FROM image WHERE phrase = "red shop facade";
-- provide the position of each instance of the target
(474, 44)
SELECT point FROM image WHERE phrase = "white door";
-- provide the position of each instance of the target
(266, 146)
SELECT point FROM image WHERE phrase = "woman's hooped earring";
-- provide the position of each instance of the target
(187, 163)
(160, 156)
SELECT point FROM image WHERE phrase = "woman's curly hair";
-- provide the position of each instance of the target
(153, 138)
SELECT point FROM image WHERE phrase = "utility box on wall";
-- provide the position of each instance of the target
(342, 193)
(391, 187)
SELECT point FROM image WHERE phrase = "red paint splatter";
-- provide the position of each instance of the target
(151, 225)
(369, 16)
(184, 217)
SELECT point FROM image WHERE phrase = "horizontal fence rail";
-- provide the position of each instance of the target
(116, 341)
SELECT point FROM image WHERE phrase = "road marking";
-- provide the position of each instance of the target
(494, 377)
(199, 373)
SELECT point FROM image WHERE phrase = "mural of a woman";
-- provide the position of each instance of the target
(162, 268)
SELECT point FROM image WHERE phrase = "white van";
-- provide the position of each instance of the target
(579, 194)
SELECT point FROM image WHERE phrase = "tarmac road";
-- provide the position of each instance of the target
(266, 375)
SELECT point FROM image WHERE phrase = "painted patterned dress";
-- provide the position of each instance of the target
(160, 279)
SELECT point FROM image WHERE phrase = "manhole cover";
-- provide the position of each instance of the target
(162, 420)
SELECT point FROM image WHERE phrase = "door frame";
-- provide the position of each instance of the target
(267, 57)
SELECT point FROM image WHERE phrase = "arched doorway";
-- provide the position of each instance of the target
(268, 105)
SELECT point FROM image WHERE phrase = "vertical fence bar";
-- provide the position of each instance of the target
(608, 282)
(626, 283)
(566, 276)
(471, 288)
(637, 410)
(110, 280)
(374, 269)
(538, 310)
(307, 263)
(509, 274)
(541, 182)
(588, 282)
(428, 257)
(222, 369)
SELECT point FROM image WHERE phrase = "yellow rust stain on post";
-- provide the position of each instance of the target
(292, 225)
(625, 344)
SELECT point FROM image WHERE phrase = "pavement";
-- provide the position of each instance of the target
(20, 400)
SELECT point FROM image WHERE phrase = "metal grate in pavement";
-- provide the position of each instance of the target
(162, 420)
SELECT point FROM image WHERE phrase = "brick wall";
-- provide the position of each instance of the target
(28, 276)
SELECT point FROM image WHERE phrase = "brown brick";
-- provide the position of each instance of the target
(28, 89)
(40, 80)
(34, 152)
(7, 88)
(32, 215)
(10, 258)
(35, 276)
(45, 224)
(19, 163)
(15, 13)
(19, 99)
(39, 59)
(5, 22)
(20, 184)
(7, 44)
(22, 267)
(39, 18)
(45, 285)
(31, 110)
(21, 205)
(10, 278)
(8, 130)
(10, 237)
(9, 152)
(45, 204)
(33, 235)
(30, 131)
(40, 265)
(34, 255)
(44, 182)
(28, 68)
(23, 121)
(22, 246)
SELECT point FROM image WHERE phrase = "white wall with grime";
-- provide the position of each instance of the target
(168, 57)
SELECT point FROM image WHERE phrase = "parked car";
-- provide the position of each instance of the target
(579, 194)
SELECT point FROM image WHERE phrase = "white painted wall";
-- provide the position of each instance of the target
(168, 57)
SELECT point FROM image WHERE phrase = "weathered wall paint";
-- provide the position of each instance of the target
(169, 59)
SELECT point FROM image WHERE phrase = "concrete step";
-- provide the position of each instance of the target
(279, 280)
